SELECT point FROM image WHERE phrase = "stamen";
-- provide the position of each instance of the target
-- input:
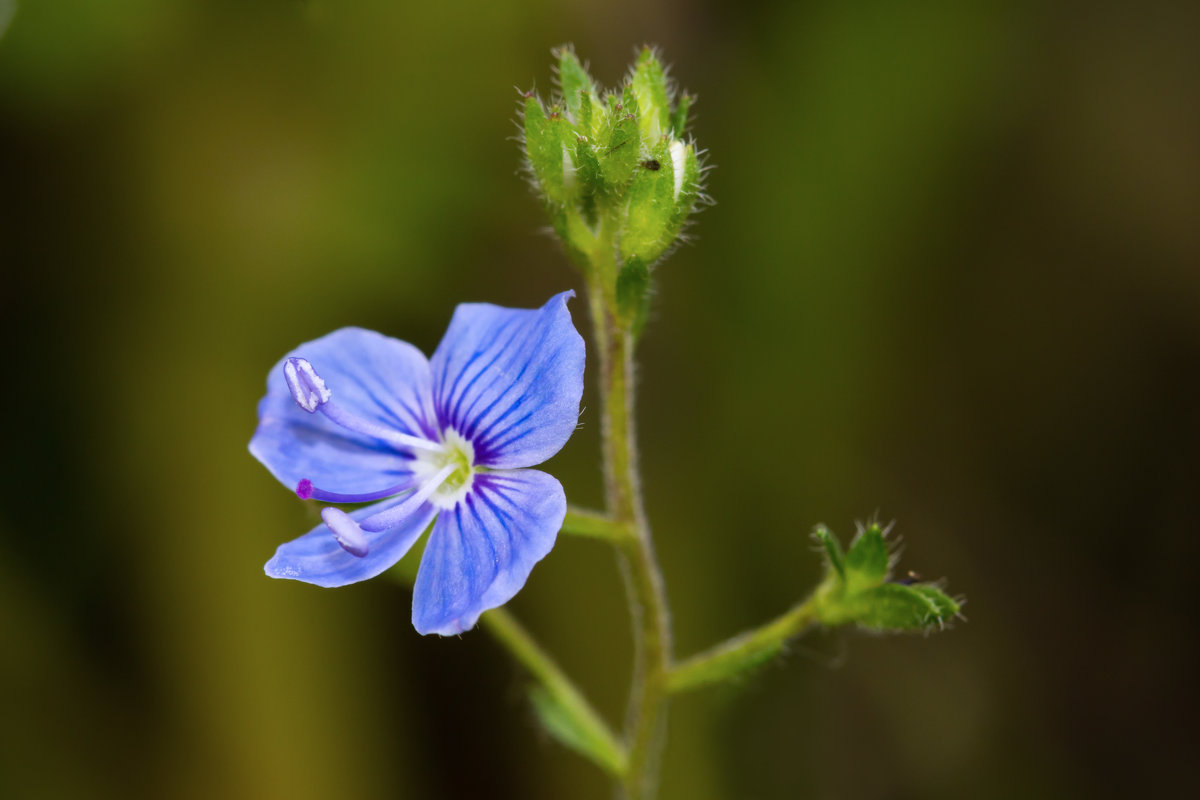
(305, 490)
(310, 393)
(341, 417)
(347, 532)
(397, 514)
(306, 386)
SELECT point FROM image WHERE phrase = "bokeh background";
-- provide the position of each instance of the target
(952, 276)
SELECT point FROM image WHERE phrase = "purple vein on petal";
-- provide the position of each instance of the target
(448, 400)
(491, 446)
(492, 559)
(512, 406)
(479, 420)
(375, 391)
(501, 351)
(506, 519)
(441, 396)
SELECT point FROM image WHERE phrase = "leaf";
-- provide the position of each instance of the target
(947, 607)
(679, 118)
(833, 549)
(584, 116)
(867, 561)
(650, 86)
(624, 144)
(543, 148)
(896, 607)
(574, 733)
(587, 175)
(574, 81)
(646, 232)
(857, 589)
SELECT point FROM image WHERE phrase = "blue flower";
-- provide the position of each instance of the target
(358, 417)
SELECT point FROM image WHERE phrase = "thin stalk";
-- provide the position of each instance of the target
(595, 525)
(597, 741)
(645, 720)
(604, 749)
(747, 650)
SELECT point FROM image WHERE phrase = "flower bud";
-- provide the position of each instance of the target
(618, 180)
(649, 83)
(859, 589)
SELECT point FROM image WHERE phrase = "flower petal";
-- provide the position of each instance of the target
(510, 380)
(317, 558)
(481, 551)
(381, 379)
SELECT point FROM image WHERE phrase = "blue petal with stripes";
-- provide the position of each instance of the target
(446, 440)
(510, 381)
(378, 378)
(481, 551)
(317, 558)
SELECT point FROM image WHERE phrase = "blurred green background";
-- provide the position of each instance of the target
(953, 275)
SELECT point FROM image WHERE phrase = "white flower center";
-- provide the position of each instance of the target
(455, 451)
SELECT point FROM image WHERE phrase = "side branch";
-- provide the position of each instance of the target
(596, 525)
(746, 650)
(579, 724)
(562, 706)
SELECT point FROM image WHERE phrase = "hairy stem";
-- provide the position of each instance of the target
(594, 525)
(747, 650)
(645, 722)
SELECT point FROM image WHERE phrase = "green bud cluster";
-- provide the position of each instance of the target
(618, 179)
(860, 588)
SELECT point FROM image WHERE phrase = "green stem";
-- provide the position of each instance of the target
(591, 736)
(748, 649)
(597, 742)
(645, 721)
(594, 525)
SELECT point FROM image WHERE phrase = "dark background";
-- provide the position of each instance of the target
(952, 276)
